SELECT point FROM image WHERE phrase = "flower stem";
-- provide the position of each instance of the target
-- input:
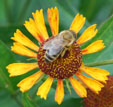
(68, 86)
(106, 62)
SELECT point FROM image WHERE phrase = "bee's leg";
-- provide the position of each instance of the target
(63, 52)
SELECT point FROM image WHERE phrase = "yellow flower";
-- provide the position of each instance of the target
(63, 67)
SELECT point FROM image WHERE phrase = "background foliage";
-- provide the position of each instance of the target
(13, 13)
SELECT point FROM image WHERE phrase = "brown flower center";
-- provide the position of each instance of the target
(62, 67)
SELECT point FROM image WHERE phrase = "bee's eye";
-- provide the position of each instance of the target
(74, 34)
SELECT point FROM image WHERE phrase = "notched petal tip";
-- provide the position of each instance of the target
(22, 50)
(12, 75)
(59, 94)
(40, 25)
(77, 15)
(93, 84)
(28, 82)
(53, 18)
(94, 47)
(78, 87)
(15, 68)
(77, 23)
(41, 10)
(26, 22)
(12, 48)
(43, 90)
(88, 34)
(96, 73)
(17, 31)
(24, 40)
(33, 13)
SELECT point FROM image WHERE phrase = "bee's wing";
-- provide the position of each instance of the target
(47, 45)
(51, 43)
(54, 46)
(55, 50)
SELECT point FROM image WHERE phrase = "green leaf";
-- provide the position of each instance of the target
(27, 101)
(93, 7)
(6, 100)
(6, 57)
(23, 10)
(97, 11)
(5, 82)
(16, 12)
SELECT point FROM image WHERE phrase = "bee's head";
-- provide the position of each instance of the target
(68, 34)
(73, 33)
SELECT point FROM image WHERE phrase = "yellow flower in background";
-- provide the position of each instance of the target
(63, 67)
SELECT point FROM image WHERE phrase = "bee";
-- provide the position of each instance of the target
(58, 45)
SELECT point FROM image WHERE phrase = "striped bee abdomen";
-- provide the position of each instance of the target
(49, 58)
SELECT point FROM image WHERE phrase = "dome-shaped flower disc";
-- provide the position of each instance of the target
(62, 67)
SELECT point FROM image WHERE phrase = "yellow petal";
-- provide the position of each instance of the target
(40, 23)
(28, 82)
(53, 18)
(32, 28)
(22, 50)
(21, 38)
(59, 95)
(94, 85)
(77, 23)
(88, 34)
(80, 90)
(98, 74)
(16, 69)
(45, 87)
(94, 47)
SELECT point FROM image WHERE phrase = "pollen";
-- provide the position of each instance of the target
(62, 67)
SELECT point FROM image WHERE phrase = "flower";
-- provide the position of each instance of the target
(103, 99)
(63, 67)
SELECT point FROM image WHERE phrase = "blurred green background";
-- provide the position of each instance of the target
(13, 13)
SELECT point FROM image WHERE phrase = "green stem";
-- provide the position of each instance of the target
(68, 86)
(106, 62)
